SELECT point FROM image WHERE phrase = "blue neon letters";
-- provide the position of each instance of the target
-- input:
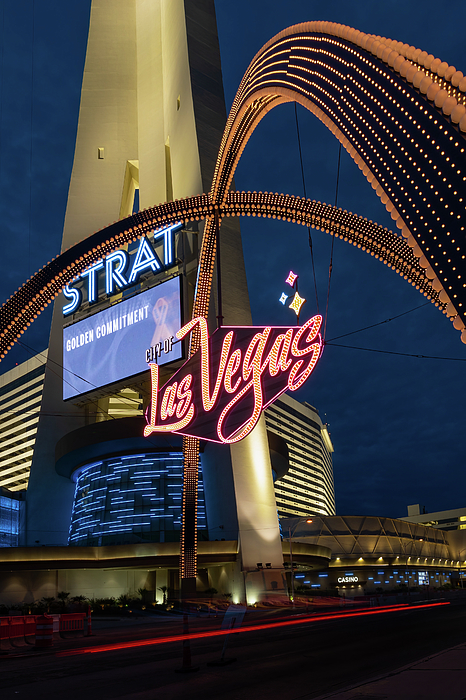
(116, 266)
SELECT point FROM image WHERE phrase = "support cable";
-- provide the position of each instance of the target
(32, 137)
(402, 354)
(305, 196)
(330, 267)
(49, 362)
(379, 323)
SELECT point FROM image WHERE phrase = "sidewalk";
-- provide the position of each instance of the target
(441, 676)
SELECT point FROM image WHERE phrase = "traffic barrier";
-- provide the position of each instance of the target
(16, 630)
(4, 633)
(89, 621)
(71, 622)
(29, 628)
(56, 622)
(44, 632)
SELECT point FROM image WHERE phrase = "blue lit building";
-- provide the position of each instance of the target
(11, 511)
(132, 498)
(128, 489)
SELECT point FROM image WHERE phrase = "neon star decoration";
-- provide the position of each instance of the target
(283, 298)
(291, 279)
(221, 391)
(297, 303)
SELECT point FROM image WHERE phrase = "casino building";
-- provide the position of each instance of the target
(372, 554)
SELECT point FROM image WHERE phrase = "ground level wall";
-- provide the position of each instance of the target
(26, 587)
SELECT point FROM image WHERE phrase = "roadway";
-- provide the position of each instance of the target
(295, 662)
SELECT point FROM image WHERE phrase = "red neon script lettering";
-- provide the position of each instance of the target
(265, 363)
(174, 427)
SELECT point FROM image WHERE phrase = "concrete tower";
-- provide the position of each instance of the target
(151, 118)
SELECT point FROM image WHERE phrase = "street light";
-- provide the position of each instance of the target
(404, 547)
(301, 520)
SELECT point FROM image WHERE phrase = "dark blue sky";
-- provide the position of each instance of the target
(396, 421)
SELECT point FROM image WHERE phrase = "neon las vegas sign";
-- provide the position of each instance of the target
(220, 392)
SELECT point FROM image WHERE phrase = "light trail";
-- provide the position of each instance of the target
(247, 628)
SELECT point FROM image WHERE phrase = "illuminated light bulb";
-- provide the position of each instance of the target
(297, 303)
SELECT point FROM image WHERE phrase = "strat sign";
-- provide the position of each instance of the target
(220, 392)
(122, 270)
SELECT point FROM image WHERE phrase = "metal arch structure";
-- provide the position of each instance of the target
(398, 112)
(31, 299)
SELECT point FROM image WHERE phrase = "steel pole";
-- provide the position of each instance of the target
(291, 567)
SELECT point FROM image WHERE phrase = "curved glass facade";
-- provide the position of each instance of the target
(130, 499)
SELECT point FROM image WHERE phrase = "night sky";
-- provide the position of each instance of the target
(396, 419)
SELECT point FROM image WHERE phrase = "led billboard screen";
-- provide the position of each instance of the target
(112, 345)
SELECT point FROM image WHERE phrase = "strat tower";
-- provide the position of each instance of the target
(151, 119)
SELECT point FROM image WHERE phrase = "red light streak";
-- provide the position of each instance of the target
(247, 628)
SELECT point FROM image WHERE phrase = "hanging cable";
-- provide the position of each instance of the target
(330, 267)
(31, 149)
(49, 362)
(403, 354)
(305, 196)
(379, 323)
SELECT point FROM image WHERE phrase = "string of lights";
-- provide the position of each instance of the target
(400, 114)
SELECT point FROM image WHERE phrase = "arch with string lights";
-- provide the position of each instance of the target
(398, 111)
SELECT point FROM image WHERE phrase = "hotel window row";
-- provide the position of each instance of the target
(307, 488)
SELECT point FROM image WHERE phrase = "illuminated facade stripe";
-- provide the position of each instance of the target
(307, 488)
(122, 496)
(20, 401)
